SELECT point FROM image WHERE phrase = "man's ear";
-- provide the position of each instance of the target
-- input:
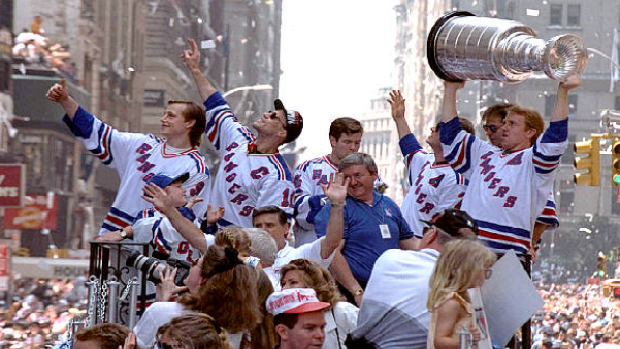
(332, 141)
(190, 123)
(282, 331)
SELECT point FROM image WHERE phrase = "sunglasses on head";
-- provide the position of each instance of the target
(491, 128)
(160, 345)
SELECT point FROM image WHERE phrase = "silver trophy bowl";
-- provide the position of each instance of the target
(462, 46)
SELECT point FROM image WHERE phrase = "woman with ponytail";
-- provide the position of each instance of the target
(219, 285)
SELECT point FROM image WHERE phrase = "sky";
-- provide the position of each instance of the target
(335, 56)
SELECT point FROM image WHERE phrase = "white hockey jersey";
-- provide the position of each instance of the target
(244, 181)
(137, 157)
(434, 188)
(506, 191)
(154, 228)
(309, 176)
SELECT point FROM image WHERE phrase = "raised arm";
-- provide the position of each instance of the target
(337, 194)
(59, 94)
(397, 102)
(190, 232)
(191, 58)
(560, 108)
(449, 111)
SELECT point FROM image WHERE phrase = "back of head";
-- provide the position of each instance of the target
(315, 277)
(108, 335)
(457, 268)
(194, 112)
(358, 159)
(194, 331)
(533, 120)
(234, 237)
(467, 126)
(344, 125)
(263, 246)
(229, 293)
(499, 111)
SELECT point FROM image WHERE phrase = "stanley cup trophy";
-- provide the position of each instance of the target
(462, 46)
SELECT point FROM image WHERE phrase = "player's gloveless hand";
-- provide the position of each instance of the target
(58, 93)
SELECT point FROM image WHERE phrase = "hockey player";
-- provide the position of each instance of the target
(345, 137)
(492, 120)
(137, 157)
(508, 187)
(435, 186)
(252, 172)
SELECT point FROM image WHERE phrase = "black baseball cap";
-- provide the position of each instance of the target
(451, 220)
(294, 121)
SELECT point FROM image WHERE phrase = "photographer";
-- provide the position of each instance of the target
(220, 285)
(151, 226)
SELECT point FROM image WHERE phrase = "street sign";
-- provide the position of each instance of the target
(37, 214)
(12, 185)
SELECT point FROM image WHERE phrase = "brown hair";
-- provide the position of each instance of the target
(228, 292)
(533, 120)
(195, 331)
(344, 125)
(315, 277)
(197, 113)
(499, 110)
(264, 334)
(109, 336)
(234, 237)
(270, 209)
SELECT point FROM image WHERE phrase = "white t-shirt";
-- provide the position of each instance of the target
(343, 317)
(158, 314)
(310, 251)
(393, 313)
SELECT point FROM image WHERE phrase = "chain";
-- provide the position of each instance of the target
(93, 285)
(125, 294)
(103, 300)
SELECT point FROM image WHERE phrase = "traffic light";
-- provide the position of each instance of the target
(615, 163)
(601, 266)
(590, 147)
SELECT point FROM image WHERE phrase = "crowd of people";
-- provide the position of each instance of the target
(32, 47)
(363, 272)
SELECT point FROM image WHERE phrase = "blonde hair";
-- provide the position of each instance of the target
(456, 269)
(532, 118)
(234, 237)
(315, 277)
(195, 331)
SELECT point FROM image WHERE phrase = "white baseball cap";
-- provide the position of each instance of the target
(294, 301)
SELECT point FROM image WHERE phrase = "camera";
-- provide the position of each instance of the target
(151, 267)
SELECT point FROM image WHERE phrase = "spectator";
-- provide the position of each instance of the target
(394, 313)
(298, 317)
(341, 318)
(371, 223)
(192, 331)
(463, 264)
(102, 336)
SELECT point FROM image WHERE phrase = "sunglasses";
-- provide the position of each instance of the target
(274, 115)
(490, 128)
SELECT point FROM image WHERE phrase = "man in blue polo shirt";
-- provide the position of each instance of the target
(372, 224)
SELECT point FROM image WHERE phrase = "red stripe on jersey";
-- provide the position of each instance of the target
(549, 212)
(116, 220)
(330, 163)
(461, 157)
(500, 237)
(104, 143)
(281, 174)
(544, 164)
(212, 134)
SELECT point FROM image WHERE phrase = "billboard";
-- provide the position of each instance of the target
(12, 185)
(39, 213)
